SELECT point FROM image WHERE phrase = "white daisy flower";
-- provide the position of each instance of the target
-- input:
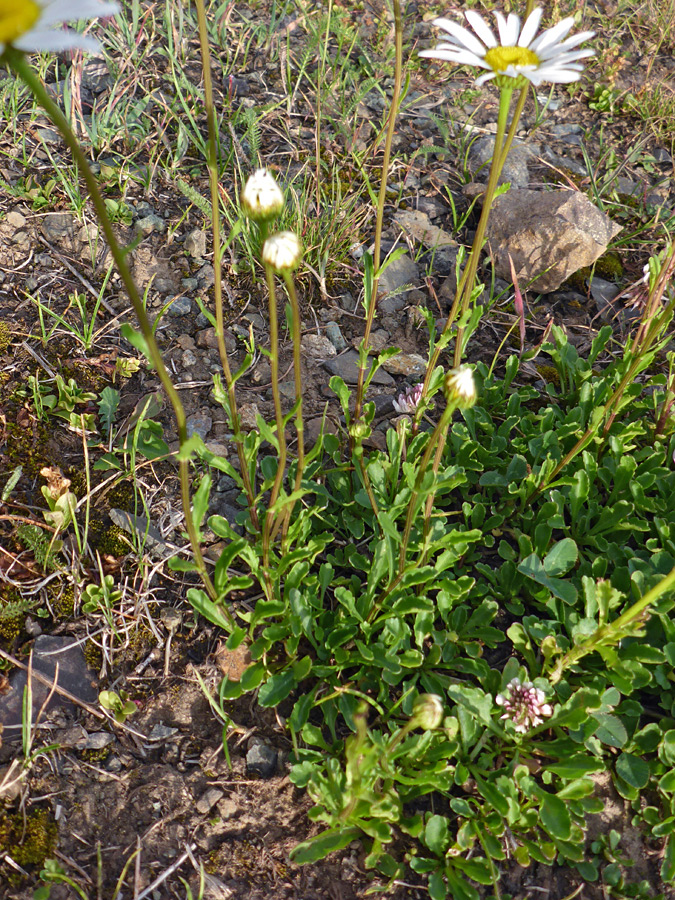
(518, 54)
(33, 25)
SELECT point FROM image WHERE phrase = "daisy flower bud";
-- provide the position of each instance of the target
(460, 388)
(427, 712)
(282, 251)
(262, 198)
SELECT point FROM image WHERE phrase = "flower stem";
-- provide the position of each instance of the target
(16, 61)
(379, 215)
(297, 372)
(212, 164)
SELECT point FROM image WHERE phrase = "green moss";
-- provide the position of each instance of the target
(61, 599)
(5, 336)
(610, 266)
(13, 611)
(121, 496)
(29, 841)
(93, 655)
(114, 541)
(549, 374)
(27, 446)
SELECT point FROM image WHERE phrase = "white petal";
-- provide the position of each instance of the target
(481, 28)
(55, 41)
(462, 35)
(552, 35)
(508, 30)
(459, 57)
(483, 78)
(59, 11)
(530, 27)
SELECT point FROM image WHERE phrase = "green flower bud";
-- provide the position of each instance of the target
(427, 712)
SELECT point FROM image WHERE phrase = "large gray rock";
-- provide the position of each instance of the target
(515, 168)
(549, 236)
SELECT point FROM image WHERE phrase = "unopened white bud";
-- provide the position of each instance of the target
(282, 251)
(460, 388)
(262, 198)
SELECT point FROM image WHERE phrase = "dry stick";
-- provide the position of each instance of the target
(391, 125)
(16, 60)
(217, 287)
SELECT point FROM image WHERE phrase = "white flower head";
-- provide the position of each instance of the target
(460, 388)
(282, 251)
(518, 54)
(262, 198)
(524, 704)
(34, 25)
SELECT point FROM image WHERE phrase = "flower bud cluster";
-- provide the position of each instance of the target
(409, 399)
(524, 704)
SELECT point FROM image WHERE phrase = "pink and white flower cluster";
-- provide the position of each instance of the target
(524, 704)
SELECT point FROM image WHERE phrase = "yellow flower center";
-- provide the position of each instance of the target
(16, 18)
(500, 58)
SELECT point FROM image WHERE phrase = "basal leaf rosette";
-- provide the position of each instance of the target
(35, 25)
(515, 56)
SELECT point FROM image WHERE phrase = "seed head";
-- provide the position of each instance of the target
(427, 712)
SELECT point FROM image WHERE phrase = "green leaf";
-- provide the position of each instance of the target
(561, 558)
(277, 688)
(555, 816)
(200, 502)
(108, 404)
(136, 340)
(633, 769)
(437, 835)
(204, 605)
(321, 845)
(532, 567)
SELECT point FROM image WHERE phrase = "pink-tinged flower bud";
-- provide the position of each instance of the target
(524, 704)
(282, 251)
(262, 198)
(408, 400)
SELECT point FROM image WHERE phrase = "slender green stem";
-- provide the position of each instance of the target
(438, 435)
(465, 287)
(498, 159)
(212, 163)
(279, 417)
(379, 217)
(297, 373)
(18, 63)
(614, 632)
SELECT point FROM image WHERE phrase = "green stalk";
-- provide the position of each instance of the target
(279, 416)
(613, 633)
(212, 164)
(17, 62)
(465, 287)
(379, 215)
(437, 438)
(297, 372)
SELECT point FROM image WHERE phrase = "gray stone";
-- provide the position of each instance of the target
(97, 740)
(221, 506)
(564, 163)
(548, 235)
(206, 276)
(335, 336)
(406, 364)
(151, 223)
(262, 374)
(318, 346)
(188, 360)
(261, 759)
(190, 284)
(138, 526)
(417, 225)
(515, 169)
(565, 129)
(15, 219)
(287, 390)
(248, 413)
(403, 271)
(390, 305)
(227, 808)
(379, 338)
(96, 76)
(195, 243)
(181, 306)
(208, 800)
(48, 651)
(199, 423)
(59, 227)
(347, 367)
